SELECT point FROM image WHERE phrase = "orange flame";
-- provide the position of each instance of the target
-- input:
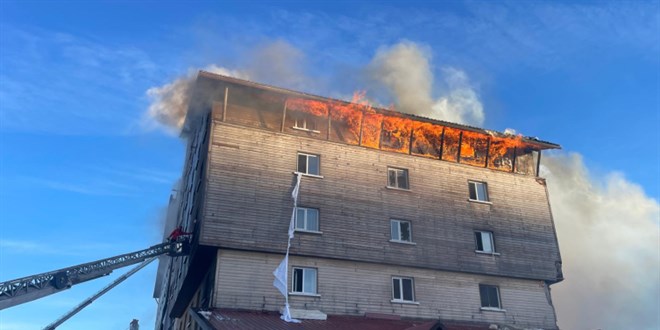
(450, 144)
(312, 107)
(392, 132)
(474, 148)
(396, 133)
(426, 139)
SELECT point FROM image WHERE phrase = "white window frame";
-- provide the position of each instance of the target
(483, 199)
(401, 298)
(399, 231)
(305, 221)
(307, 157)
(298, 120)
(305, 270)
(396, 184)
(485, 236)
(497, 308)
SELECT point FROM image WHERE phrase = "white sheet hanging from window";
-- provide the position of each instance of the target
(281, 272)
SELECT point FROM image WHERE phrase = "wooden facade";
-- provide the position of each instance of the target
(356, 288)
(240, 205)
(249, 204)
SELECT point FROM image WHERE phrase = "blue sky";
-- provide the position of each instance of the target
(84, 175)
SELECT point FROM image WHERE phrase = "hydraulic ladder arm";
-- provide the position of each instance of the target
(33, 287)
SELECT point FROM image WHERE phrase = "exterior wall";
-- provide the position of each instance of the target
(183, 209)
(248, 205)
(244, 280)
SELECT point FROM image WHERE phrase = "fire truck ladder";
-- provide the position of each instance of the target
(33, 287)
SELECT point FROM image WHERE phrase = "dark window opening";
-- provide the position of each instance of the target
(490, 296)
(403, 289)
(308, 164)
(484, 241)
(478, 191)
(397, 178)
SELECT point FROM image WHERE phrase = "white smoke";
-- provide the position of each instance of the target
(405, 71)
(609, 236)
(169, 102)
(276, 62)
(279, 63)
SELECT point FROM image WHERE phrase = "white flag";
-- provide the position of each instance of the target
(292, 223)
(281, 272)
(281, 276)
(294, 193)
(286, 315)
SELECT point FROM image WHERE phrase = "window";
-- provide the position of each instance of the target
(307, 219)
(484, 240)
(490, 296)
(478, 191)
(403, 289)
(304, 123)
(397, 178)
(308, 164)
(304, 280)
(401, 230)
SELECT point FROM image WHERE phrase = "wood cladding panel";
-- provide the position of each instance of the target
(248, 206)
(244, 280)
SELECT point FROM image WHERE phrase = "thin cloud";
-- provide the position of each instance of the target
(109, 180)
(95, 187)
(31, 247)
(139, 174)
(81, 86)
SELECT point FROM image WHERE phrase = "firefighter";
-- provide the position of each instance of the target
(178, 233)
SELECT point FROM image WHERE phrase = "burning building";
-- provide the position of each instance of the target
(400, 221)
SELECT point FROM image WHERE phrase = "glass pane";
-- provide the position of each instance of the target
(300, 218)
(480, 246)
(391, 178)
(297, 280)
(405, 231)
(493, 300)
(483, 292)
(312, 219)
(407, 289)
(310, 281)
(396, 287)
(473, 191)
(302, 163)
(313, 165)
(486, 239)
(403, 179)
(394, 225)
(481, 192)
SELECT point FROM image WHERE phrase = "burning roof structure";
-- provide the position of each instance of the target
(359, 123)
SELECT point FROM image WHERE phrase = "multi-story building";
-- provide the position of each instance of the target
(400, 218)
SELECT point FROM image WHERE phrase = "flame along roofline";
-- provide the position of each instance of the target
(541, 144)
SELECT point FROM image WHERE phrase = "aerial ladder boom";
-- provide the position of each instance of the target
(33, 287)
(91, 299)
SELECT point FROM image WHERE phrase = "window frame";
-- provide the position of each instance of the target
(401, 299)
(307, 157)
(478, 235)
(305, 228)
(396, 184)
(486, 287)
(306, 122)
(399, 239)
(475, 184)
(303, 292)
